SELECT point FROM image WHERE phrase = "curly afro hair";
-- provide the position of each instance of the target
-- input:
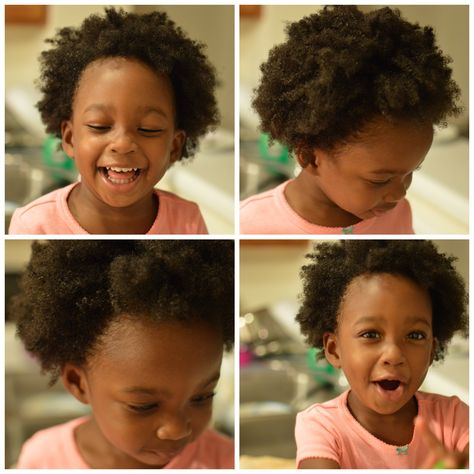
(340, 69)
(335, 265)
(72, 290)
(151, 38)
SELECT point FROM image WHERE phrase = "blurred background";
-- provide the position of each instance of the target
(30, 405)
(34, 167)
(279, 375)
(439, 192)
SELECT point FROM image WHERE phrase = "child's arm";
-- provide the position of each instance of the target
(318, 463)
(438, 456)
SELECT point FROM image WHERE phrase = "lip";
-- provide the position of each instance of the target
(391, 395)
(124, 187)
(166, 454)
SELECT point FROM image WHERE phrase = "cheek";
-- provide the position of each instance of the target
(200, 419)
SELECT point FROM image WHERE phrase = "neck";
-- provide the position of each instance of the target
(307, 199)
(97, 217)
(395, 429)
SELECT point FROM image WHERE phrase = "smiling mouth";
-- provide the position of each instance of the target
(117, 175)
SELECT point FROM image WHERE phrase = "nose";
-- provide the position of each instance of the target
(398, 188)
(122, 142)
(392, 354)
(174, 427)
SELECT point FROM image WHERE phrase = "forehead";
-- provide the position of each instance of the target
(385, 147)
(138, 351)
(385, 297)
(117, 81)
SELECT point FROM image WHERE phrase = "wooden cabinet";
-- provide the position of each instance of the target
(25, 14)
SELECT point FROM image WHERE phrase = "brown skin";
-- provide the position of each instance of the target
(150, 387)
(123, 115)
(384, 331)
(361, 179)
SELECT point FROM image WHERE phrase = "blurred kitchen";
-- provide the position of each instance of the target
(34, 166)
(31, 405)
(439, 192)
(279, 374)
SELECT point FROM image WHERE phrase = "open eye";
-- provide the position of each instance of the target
(370, 335)
(417, 335)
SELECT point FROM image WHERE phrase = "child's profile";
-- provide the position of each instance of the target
(382, 312)
(136, 330)
(129, 95)
(354, 96)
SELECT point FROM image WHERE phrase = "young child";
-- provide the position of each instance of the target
(129, 95)
(135, 329)
(382, 311)
(354, 96)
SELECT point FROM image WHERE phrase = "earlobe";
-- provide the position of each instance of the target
(67, 140)
(331, 350)
(75, 382)
(179, 140)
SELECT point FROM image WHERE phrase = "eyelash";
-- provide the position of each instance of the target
(197, 401)
(383, 183)
(419, 333)
(104, 128)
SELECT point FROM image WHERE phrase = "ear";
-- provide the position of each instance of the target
(75, 381)
(67, 139)
(433, 349)
(177, 146)
(331, 349)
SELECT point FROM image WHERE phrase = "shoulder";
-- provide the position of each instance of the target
(52, 448)
(177, 216)
(322, 411)
(265, 212)
(441, 403)
(41, 216)
(211, 450)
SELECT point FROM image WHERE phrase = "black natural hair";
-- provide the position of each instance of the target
(151, 38)
(335, 265)
(341, 69)
(73, 290)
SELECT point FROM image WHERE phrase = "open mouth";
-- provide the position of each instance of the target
(389, 385)
(117, 175)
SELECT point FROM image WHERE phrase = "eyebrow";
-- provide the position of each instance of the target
(146, 110)
(152, 391)
(374, 319)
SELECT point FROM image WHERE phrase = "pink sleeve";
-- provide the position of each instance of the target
(315, 439)
(457, 429)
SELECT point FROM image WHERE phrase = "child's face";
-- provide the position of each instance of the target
(122, 132)
(150, 387)
(384, 333)
(368, 177)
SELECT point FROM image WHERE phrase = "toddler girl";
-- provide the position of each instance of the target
(382, 311)
(354, 96)
(135, 329)
(129, 95)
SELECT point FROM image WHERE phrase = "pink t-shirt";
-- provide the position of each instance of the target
(328, 430)
(56, 448)
(50, 214)
(270, 213)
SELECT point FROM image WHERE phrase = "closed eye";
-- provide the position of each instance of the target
(150, 130)
(379, 183)
(203, 399)
(98, 128)
(143, 408)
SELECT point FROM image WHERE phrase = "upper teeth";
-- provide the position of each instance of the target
(121, 170)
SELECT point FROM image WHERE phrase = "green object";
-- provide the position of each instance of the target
(54, 157)
(276, 153)
(323, 371)
(441, 465)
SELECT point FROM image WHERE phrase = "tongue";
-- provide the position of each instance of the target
(389, 384)
(119, 175)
